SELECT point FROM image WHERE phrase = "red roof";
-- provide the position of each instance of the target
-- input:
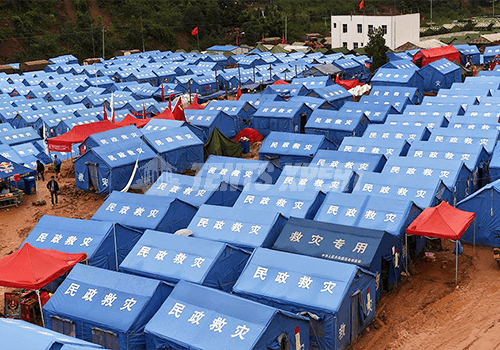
(442, 221)
(78, 134)
(280, 82)
(430, 55)
(33, 268)
(130, 120)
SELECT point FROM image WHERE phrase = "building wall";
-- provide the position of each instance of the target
(400, 29)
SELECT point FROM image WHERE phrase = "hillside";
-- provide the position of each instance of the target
(36, 29)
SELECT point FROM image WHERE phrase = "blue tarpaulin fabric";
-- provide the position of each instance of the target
(145, 212)
(115, 302)
(95, 238)
(359, 162)
(320, 287)
(209, 263)
(247, 228)
(440, 75)
(8, 169)
(111, 137)
(410, 92)
(239, 323)
(398, 77)
(386, 147)
(454, 137)
(280, 116)
(203, 122)
(312, 178)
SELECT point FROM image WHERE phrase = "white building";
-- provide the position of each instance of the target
(352, 31)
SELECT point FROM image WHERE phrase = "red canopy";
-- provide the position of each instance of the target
(348, 84)
(130, 120)
(442, 221)
(280, 82)
(78, 134)
(251, 134)
(430, 55)
(33, 268)
(195, 104)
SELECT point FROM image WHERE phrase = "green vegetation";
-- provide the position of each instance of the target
(35, 29)
(376, 49)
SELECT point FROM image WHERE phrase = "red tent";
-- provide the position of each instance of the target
(347, 84)
(442, 221)
(430, 55)
(78, 134)
(280, 82)
(130, 120)
(195, 104)
(33, 268)
(251, 134)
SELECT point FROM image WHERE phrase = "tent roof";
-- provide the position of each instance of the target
(308, 144)
(9, 168)
(130, 120)
(358, 162)
(299, 178)
(78, 134)
(441, 221)
(124, 152)
(172, 139)
(33, 268)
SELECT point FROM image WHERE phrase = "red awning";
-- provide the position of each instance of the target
(430, 55)
(130, 120)
(442, 221)
(78, 134)
(33, 268)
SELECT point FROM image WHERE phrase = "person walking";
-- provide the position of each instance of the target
(40, 169)
(57, 165)
(53, 188)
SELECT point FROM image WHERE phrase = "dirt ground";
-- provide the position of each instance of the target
(425, 311)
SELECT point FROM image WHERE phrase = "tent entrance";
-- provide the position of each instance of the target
(93, 176)
(303, 122)
(355, 320)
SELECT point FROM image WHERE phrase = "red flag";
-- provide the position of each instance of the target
(283, 40)
(238, 93)
(196, 98)
(194, 32)
(423, 19)
(170, 102)
(362, 4)
(337, 79)
(162, 93)
(143, 111)
(105, 113)
(178, 112)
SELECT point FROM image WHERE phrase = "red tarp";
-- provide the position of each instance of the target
(130, 120)
(442, 221)
(195, 104)
(33, 268)
(78, 134)
(251, 134)
(280, 82)
(348, 84)
(430, 55)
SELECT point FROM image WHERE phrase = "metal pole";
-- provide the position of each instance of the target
(431, 13)
(253, 73)
(406, 253)
(40, 303)
(142, 36)
(456, 262)
(270, 72)
(189, 88)
(102, 42)
(474, 245)
(239, 73)
(295, 71)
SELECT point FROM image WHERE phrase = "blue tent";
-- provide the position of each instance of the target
(396, 91)
(5, 127)
(336, 125)
(312, 102)
(247, 228)
(240, 111)
(173, 258)
(194, 190)
(22, 335)
(454, 174)
(358, 162)
(239, 172)
(409, 133)
(10, 154)
(490, 52)
(180, 148)
(18, 136)
(8, 169)
(341, 296)
(145, 212)
(110, 167)
(470, 123)
(440, 74)
(398, 103)
(337, 242)
(106, 307)
(203, 122)
(105, 243)
(351, 69)
(313, 177)
(336, 95)
(280, 116)
(492, 82)
(30, 150)
(484, 203)
(482, 111)
(470, 89)
(417, 120)
(398, 77)
(301, 203)
(447, 110)
(283, 148)
(422, 191)
(231, 323)
(400, 64)
(387, 147)
(112, 136)
(161, 125)
(494, 165)
(454, 137)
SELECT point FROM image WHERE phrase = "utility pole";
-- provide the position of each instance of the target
(431, 14)
(286, 32)
(102, 42)
(142, 36)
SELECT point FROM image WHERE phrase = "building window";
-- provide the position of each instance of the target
(63, 326)
(370, 28)
(360, 28)
(344, 28)
(355, 45)
(107, 339)
(335, 25)
(344, 44)
(362, 45)
(384, 28)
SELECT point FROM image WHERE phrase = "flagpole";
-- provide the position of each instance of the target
(198, 39)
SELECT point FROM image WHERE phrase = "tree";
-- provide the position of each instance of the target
(376, 48)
